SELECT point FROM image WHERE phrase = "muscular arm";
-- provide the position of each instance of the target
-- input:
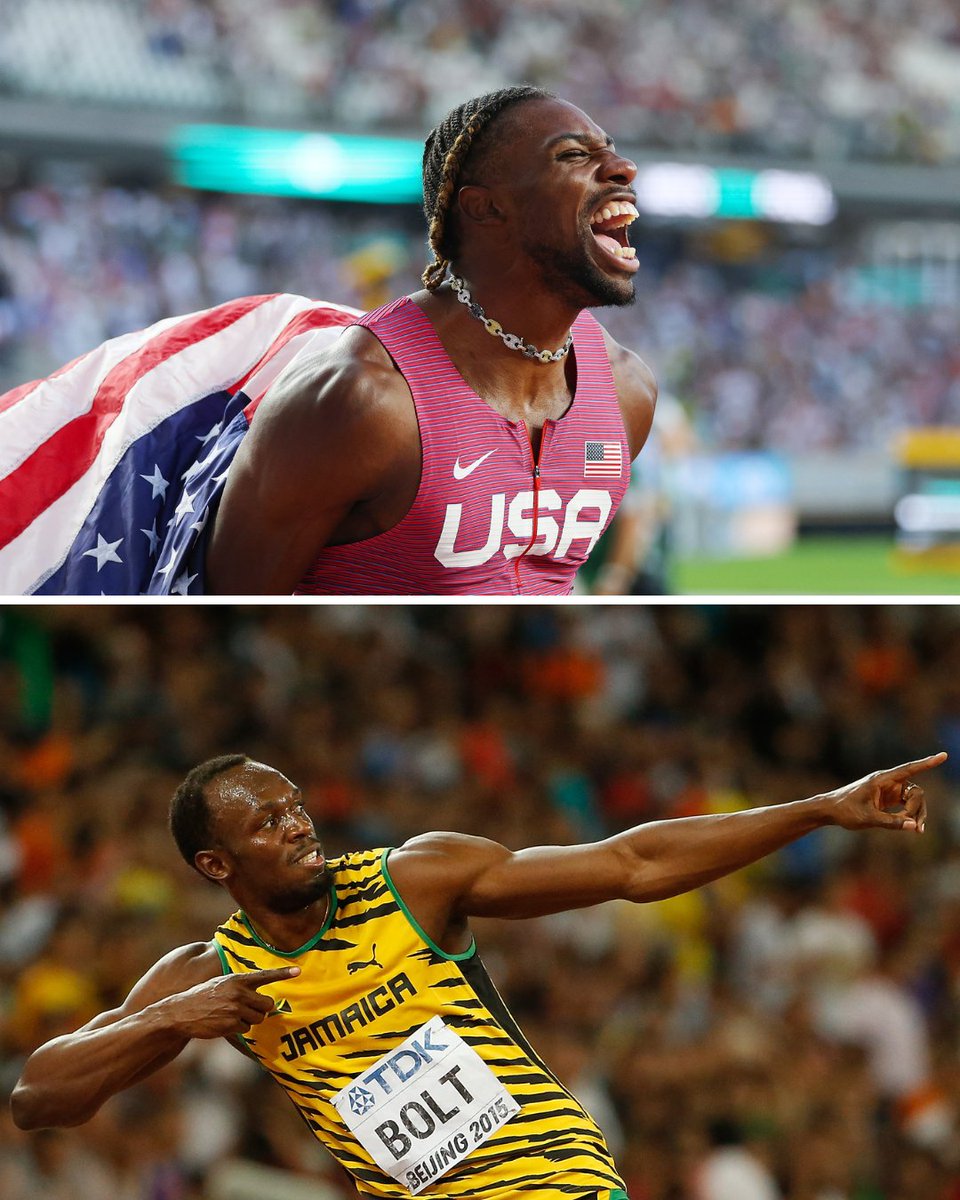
(332, 456)
(184, 996)
(446, 878)
(636, 390)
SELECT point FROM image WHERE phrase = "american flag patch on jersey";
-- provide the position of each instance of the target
(602, 459)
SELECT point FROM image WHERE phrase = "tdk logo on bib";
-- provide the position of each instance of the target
(398, 1068)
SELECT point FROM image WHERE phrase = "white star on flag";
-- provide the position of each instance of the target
(158, 485)
(170, 565)
(199, 526)
(197, 467)
(104, 551)
(214, 432)
(182, 585)
(185, 506)
(152, 536)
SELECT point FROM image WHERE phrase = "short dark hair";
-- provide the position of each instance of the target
(445, 154)
(189, 811)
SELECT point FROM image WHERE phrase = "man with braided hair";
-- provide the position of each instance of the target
(474, 437)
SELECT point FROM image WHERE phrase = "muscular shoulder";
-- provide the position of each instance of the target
(351, 388)
(636, 389)
(434, 873)
(332, 455)
(442, 862)
(178, 971)
(183, 968)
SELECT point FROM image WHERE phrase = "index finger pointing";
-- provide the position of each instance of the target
(259, 979)
(905, 770)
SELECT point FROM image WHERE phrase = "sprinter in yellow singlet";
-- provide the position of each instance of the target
(357, 985)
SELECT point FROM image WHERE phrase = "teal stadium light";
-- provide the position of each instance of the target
(277, 162)
(697, 192)
(381, 170)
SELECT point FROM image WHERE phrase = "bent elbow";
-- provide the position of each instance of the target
(23, 1108)
(33, 1108)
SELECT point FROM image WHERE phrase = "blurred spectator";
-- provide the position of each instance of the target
(58, 991)
(795, 78)
(732, 1170)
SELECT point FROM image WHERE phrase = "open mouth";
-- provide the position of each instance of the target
(313, 858)
(609, 226)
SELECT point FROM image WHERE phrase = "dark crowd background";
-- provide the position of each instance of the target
(790, 1033)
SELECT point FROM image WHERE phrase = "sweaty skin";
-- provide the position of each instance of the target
(270, 861)
(333, 455)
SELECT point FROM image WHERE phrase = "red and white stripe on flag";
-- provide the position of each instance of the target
(60, 437)
(602, 459)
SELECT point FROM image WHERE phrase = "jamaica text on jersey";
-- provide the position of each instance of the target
(405, 1062)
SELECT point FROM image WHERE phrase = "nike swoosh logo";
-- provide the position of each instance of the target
(462, 472)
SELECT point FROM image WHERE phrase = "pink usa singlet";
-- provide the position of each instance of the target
(488, 520)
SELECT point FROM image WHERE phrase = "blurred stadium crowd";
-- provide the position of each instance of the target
(871, 79)
(784, 353)
(769, 344)
(790, 1033)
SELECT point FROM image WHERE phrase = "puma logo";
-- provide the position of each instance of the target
(354, 967)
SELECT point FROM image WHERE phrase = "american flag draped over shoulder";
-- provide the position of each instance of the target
(108, 467)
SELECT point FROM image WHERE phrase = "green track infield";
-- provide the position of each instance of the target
(824, 566)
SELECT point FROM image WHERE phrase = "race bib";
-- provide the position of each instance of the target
(425, 1106)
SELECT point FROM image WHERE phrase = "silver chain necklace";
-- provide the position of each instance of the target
(510, 339)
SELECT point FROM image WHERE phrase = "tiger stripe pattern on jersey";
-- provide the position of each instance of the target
(370, 978)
